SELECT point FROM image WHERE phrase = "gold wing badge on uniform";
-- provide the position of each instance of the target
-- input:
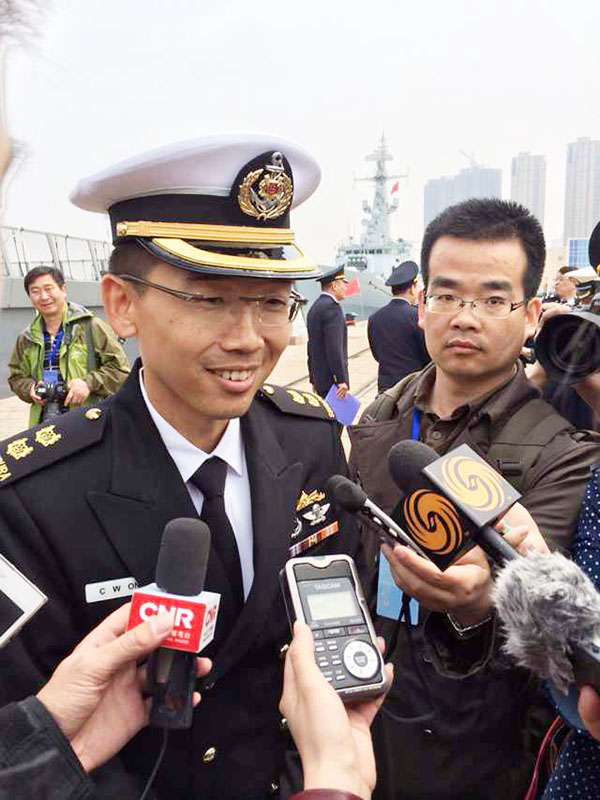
(314, 513)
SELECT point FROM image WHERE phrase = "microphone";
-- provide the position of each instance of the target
(551, 614)
(180, 575)
(450, 501)
(353, 498)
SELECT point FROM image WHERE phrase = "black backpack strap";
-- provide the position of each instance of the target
(518, 444)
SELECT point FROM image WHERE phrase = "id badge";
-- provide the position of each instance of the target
(50, 376)
(389, 596)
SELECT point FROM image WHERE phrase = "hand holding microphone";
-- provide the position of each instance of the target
(463, 589)
(96, 694)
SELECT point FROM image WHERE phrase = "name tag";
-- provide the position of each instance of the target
(109, 590)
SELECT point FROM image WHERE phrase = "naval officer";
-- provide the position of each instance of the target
(201, 275)
(328, 336)
(396, 340)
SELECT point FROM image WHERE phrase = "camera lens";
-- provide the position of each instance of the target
(568, 347)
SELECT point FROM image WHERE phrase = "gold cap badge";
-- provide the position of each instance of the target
(266, 193)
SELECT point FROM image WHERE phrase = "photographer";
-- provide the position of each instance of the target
(67, 357)
(567, 345)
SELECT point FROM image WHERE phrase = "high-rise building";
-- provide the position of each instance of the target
(528, 183)
(439, 194)
(577, 250)
(470, 182)
(582, 193)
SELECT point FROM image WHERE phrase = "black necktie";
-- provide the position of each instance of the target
(210, 479)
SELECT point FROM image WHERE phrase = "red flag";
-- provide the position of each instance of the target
(395, 187)
(352, 287)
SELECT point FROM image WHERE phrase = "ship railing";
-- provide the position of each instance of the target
(22, 249)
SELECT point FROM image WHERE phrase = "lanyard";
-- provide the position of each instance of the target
(415, 425)
(51, 350)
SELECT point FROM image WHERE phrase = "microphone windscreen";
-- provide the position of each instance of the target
(348, 494)
(546, 603)
(406, 460)
(183, 556)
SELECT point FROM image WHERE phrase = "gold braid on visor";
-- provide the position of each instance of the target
(171, 237)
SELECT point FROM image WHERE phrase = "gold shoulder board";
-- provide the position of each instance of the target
(48, 442)
(295, 401)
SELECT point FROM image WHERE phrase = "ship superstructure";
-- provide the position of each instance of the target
(376, 253)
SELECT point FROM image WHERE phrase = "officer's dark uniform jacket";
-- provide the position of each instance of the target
(397, 342)
(474, 748)
(327, 344)
(85, 500)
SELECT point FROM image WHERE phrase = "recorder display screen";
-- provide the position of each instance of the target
(332, 605)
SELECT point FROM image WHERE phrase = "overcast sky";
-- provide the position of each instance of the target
(108, 78)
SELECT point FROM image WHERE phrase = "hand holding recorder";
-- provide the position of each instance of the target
(334, 740)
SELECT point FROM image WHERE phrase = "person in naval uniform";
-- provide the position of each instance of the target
(202, 277)
(327, 348)
(395, 339)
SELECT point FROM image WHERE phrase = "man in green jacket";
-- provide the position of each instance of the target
(65, 344)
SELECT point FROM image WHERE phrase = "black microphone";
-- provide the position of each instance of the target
(353, 498)
(451, 504)
(550, 610)
(180, 569)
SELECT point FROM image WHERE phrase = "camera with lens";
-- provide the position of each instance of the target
(568, 345)
(53, 395)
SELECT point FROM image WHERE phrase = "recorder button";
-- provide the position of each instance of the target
(360, 659)
(354, 629)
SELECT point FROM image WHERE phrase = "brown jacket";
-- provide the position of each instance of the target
(552, 489)
(478, 743)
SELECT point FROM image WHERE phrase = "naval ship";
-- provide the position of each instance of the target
(369, 261)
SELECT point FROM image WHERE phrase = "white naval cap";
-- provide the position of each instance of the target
(217, 204)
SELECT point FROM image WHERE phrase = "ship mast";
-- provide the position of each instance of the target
(376, 231)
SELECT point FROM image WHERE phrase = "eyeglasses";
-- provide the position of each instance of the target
(270, 310)
(493, 306)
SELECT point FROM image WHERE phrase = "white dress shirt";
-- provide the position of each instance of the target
(238, 504)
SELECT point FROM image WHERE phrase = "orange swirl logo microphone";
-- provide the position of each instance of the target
(473, 482)
(450, 502)
(478, 491)
(433, 522)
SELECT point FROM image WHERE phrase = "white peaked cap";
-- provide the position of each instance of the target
(207, 165)
(218, 205)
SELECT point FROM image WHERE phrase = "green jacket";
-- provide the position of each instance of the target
(103, 371)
